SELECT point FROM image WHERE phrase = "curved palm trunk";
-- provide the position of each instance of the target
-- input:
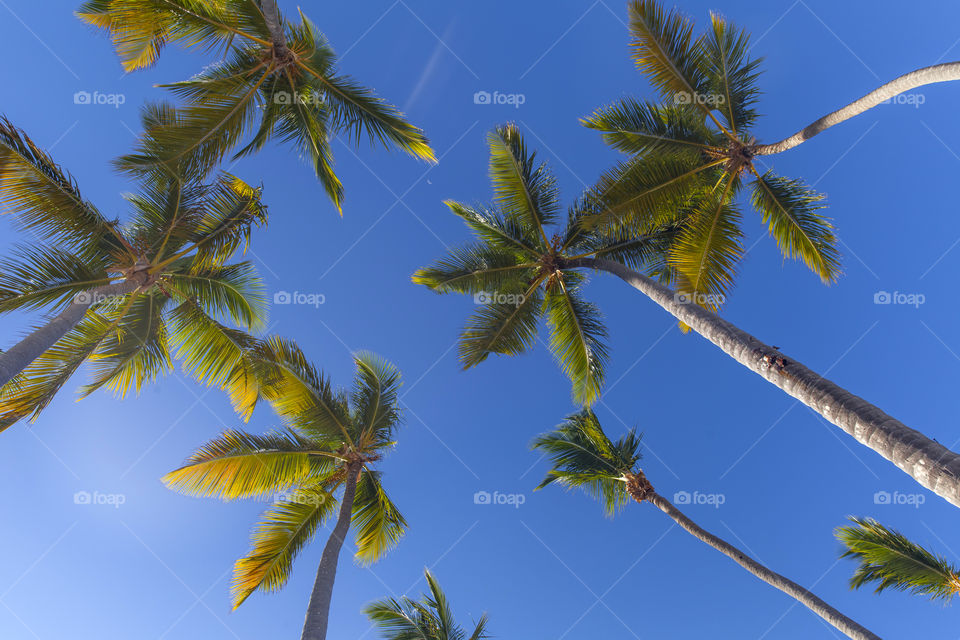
(318, 611)
(272, 16)
(842, 623)
(928, 462)
(20, 355)
(946, 72)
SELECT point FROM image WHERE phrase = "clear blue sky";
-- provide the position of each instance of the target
(158, 565)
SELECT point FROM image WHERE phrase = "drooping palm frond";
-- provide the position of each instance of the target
(430, 618)
(235, 291)
(47, 277)
(887, 558)
(378, 523)
(477, 269)
(507, 326)
(282, 533)
(645, 128)
(582, 456)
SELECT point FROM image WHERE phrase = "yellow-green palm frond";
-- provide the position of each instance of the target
(157, 156)
(237, 464)
(43, 277)
(664, 49)
(301, 395)
(136, 350)
(503, 232)
(375, 399)
(577, 336)
(476, 269)
(645, 128)
(234, 290)
(36, 386)
(730, 75)
(791, 210)
(377, 523)
(891, 561)
(283, 531)
(233, 209)
(46, 200)
(216, 355)
(505, 324)
(525, 189)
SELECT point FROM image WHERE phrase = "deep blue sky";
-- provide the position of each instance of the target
(158, 566)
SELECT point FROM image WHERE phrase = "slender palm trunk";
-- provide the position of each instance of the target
(842, 623)
(928, 462)
(20, 355)
(946, 72)
(272, 15)
(318, 611)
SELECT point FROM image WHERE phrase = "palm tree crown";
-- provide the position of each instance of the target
(168, 266)
(887, 558)
(691, 153)
(331, 438)
(428, 619)
(520, 273)
(281, 73)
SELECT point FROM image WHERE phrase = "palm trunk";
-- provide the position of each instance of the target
(839, 621)
(946, 72)
(19, 356)
(928, 462)
(272, 16)
(318, 611)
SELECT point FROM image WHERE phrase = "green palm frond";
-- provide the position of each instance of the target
(375, 398)
(216, 355)
(506, 327)
(731, 77)
(582, 456)
(431, 618)
(887, 558)
(234, 290)
(233, 209)
(136, 351)
(645, 128)
(664, 49)
(152, 159)
(377, 523)
(790, 209)
(237, 464)
(44, 277)
(577, 336)
(29, 393)
(497, 230)
(282, 533)
(46, 200)
(476, 269)
(525, 189)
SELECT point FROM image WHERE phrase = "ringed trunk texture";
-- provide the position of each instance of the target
(928, 462)
(272, 16)
(946, 72)
(842, 623)
(318, 611)
(20, 355)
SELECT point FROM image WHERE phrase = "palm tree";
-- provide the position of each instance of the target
(521, 273)
(125, 297)
(583, 457)
(691, 153)
(888, 558)
(428, 619)
(281, 73)
(330, 440)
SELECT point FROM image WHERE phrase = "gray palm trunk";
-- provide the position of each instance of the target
(271, 14)
(946, 72)
(839, 621)
(19, 356)
(926, 461)
(318, 611)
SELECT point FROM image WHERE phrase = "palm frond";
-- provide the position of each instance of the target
(476, 269)
(44, 277)
(233, 208)
(887, 558)
(731, 77)
(664, 49)
(505, 327)
(377, 523)
(791, 210)
(235, 291)
(645, 128)
(499, 231)
(375, 398)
